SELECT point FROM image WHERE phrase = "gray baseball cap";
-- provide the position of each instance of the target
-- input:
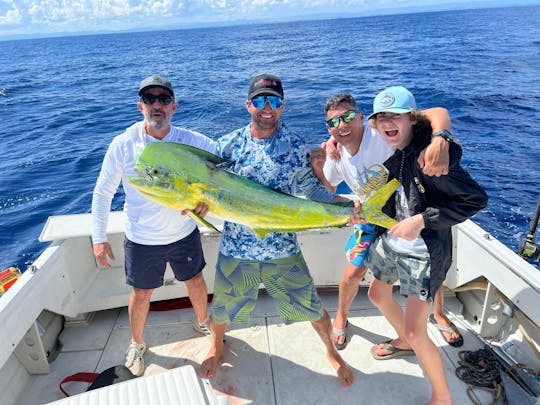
(156, 81)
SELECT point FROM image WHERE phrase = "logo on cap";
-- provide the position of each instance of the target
(266, 83)
(387, 99)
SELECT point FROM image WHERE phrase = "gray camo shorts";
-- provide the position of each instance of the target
(412, 271)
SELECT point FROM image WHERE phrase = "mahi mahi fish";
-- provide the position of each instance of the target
(181, 176)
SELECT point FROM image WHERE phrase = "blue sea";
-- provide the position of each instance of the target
(62, 100)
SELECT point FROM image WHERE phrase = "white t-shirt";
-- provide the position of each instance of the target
(363, 172)
(148, 223)
(415, 246)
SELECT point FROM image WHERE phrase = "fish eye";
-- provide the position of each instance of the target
(152, 171)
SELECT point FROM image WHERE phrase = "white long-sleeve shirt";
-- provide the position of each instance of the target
(148, 223)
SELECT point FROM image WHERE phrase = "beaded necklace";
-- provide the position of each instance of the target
(401, 167)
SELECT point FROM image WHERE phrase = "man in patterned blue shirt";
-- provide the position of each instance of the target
(267, 152)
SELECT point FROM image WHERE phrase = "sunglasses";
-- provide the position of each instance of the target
(346, 117)
(273, 101)
(164, 99)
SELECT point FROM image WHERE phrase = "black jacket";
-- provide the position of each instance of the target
(443, 201)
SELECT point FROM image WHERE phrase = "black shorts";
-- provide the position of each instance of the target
(145, 264)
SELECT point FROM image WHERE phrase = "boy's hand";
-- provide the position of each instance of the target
(409, 228)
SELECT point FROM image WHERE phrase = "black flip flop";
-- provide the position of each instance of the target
(448, 329)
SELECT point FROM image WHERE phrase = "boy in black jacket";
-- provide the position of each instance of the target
(418, 250)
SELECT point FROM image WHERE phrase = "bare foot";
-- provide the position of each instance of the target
(344, 372)
(210, 363)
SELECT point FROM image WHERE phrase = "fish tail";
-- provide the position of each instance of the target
(372, 208)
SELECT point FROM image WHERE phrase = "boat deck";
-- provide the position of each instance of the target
(265, 363)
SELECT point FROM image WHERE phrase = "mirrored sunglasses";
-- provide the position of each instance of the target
(346, 117)
(273, 101)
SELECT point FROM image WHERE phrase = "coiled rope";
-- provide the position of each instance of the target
(480, 370)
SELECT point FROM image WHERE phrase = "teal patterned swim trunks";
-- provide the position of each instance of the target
(287, 280)
(412, 270)
(357, 247)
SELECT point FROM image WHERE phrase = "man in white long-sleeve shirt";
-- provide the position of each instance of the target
(155, 234)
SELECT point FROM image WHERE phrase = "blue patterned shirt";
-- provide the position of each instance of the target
(281, 162)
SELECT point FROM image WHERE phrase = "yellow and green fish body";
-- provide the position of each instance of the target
(181, 176)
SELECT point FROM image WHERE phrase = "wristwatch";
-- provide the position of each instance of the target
(446, 135)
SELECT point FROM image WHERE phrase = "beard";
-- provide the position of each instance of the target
(265, 124)
(158, 122)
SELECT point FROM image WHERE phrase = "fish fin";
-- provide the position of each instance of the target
(320, 228)
(261, 233)
(383, 220)
(200, 152)
(201, 221)
(342, 203)
(372, 208)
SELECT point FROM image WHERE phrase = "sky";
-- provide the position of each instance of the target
(31, 18)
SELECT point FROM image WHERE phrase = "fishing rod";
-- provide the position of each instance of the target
(528, 249)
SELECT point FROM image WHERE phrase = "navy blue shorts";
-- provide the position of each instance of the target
(145, 264)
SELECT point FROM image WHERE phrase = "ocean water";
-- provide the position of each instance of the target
(62, 100)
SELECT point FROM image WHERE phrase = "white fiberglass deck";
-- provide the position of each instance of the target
(266, 363)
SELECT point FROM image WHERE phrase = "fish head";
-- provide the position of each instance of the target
(156, 182)
(162, 176)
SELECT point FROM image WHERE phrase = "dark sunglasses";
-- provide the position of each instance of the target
(164, 99)
(273, 101)
(346, 117)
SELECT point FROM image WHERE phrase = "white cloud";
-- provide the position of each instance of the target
(29, 16)
(9, 13)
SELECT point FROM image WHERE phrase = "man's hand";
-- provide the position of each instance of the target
(332, 148)
(318, 157)
(355, 218)
(435, 158)
(409, 228)
(102, 251)
(201, 210)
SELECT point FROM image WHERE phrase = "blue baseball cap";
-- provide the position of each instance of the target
(395, 99)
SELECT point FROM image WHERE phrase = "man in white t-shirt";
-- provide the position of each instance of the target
(155, 234)
(363, 152)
